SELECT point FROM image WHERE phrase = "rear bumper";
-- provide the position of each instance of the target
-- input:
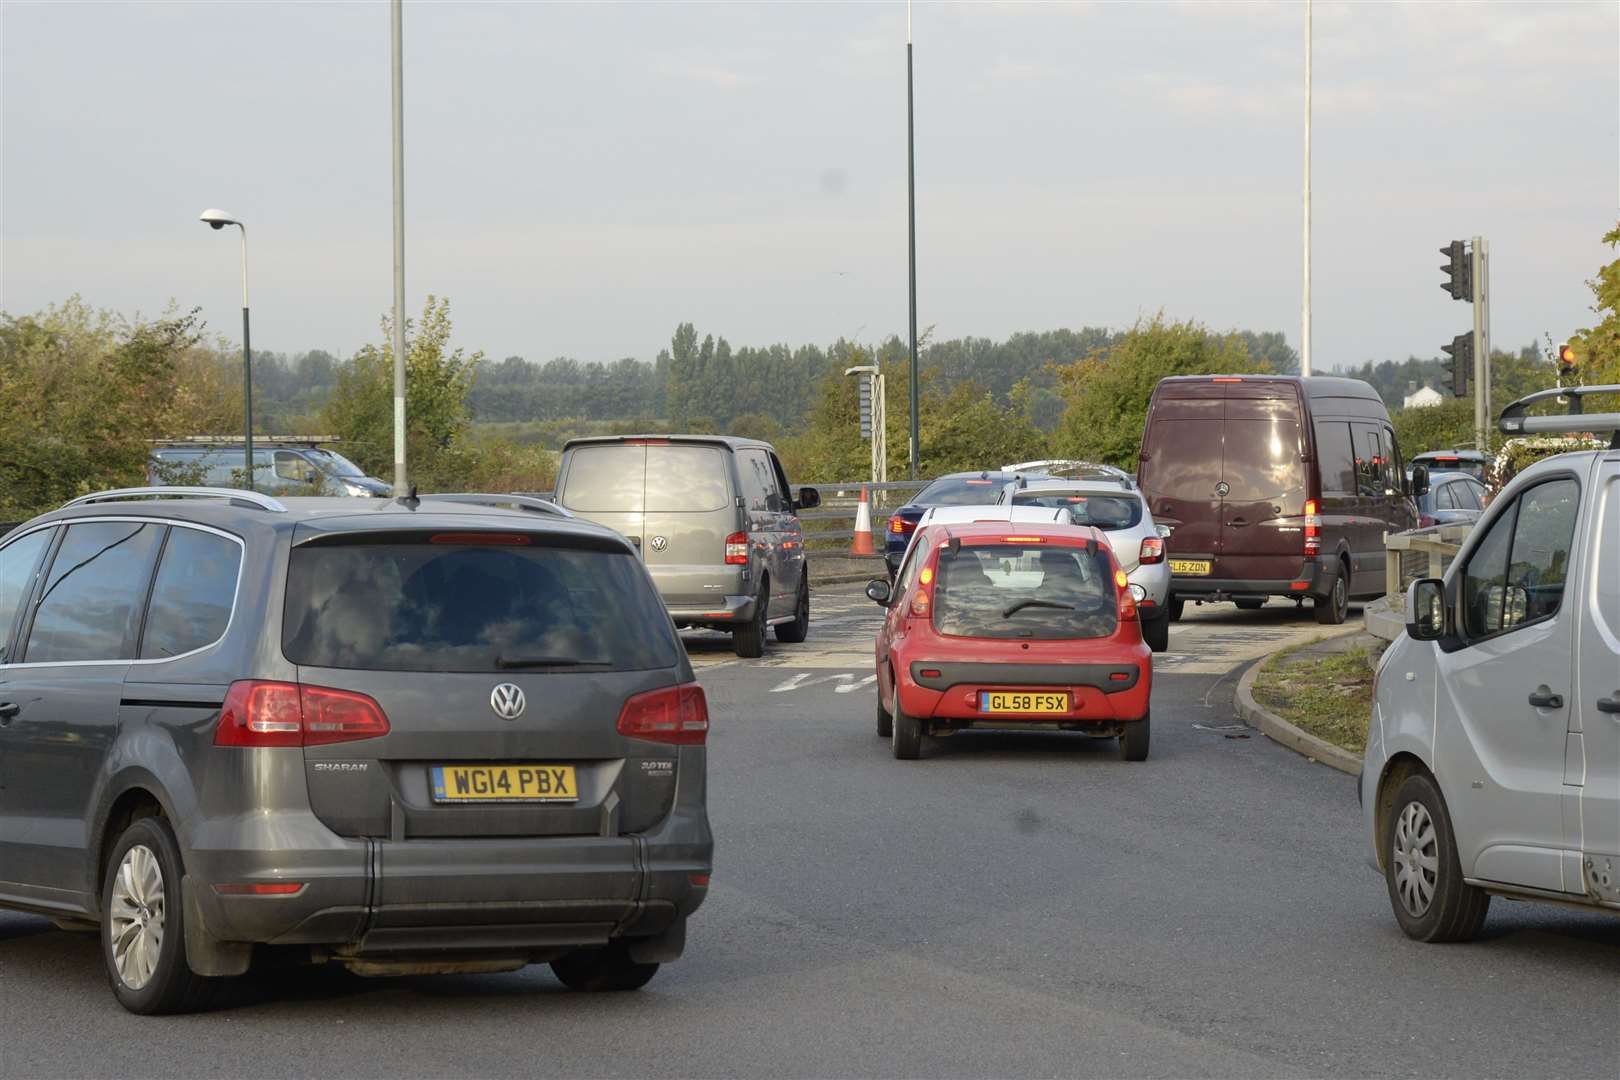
(1315, 579)
(1106, 692)
(720, 612)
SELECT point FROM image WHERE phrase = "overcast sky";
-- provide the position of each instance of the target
(582, 177)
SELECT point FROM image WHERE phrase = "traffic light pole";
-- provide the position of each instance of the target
(1482, 352)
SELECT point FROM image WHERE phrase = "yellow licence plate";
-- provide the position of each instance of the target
(998, 701)
(504, 783)
(1191, 567)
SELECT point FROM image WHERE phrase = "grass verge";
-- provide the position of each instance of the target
(1326, 694)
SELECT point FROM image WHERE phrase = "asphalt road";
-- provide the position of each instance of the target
(1011, 905)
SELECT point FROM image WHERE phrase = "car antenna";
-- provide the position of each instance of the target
(409, 501)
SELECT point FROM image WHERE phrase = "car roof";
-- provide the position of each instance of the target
(1090, 485)
(993, 513)
(1446, 476)
(1460, 455)
(735, 442)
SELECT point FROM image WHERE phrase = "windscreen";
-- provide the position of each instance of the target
(1106, 512)
(1023, 590)
(335, 463)
(959, 491)
(472, 603)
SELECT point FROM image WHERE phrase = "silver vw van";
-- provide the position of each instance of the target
(714, 520)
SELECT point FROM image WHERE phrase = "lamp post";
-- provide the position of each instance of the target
(218, 219)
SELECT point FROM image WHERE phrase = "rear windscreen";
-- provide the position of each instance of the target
(1261, 461)
(686, 478)
(605, 478)
(1184, 460)
(1016, 590)
(444, 605)
(632, 477)
(1106, 512)
(959, 491)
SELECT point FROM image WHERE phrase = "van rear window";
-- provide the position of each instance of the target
(436, 604)
(1025, 591)
(1261, 461)
(632, 477)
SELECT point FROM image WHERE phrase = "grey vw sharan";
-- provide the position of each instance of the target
(449, 734)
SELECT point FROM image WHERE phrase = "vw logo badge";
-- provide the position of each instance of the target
(659, 543)
(1221, 489)
(507, 700)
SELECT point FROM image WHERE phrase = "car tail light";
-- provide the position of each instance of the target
(922, 597)
(264, 714)
(1425, 520)
(737, 549)
(900, 526)
(1152, 550)
(1023, 539)
(1313, 530)
(675, 714)
(1127, 602)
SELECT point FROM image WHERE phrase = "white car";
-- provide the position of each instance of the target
(1493, 751)
(1110, 500)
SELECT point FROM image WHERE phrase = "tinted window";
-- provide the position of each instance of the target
(445, 607)
(91, 604)
(1261, 461)
(686, 478)
(1518, 572)
(1024, 591)
(606, 478)
(959, 491)
(1369, 460)
(758, 480)
(1443, 498)
(1389, 466)
(1335, 458)
(1108, 512)
(18, 563)
(192, 594)
(1185, 459)
(1469, 496)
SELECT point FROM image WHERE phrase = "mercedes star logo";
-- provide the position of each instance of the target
(659, 543)
(1221, 489)
(507, 701)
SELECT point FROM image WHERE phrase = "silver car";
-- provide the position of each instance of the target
(714, 520)
(1108, 499)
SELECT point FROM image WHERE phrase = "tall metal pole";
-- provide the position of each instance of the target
(1305, 302)
(1482, 346)
(247, 372)
(911, 209)
(396, 12)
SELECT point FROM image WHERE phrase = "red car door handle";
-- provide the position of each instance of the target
(1543, 698)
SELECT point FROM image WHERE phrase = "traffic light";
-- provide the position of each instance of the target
(864, 388)
(1567, 363)
(1459, 272)
(1461, 351)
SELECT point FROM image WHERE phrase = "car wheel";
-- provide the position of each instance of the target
(748, 641)
(885, 722)
(1432, 902)
(1332, 608)
(905, 733)
(1174, 608)
(606, 969)
(1133, 745)
(1156, 633)
(791, 633)
(1249, 605)
(143, 934)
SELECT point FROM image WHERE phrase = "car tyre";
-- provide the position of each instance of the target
(607, 969)
(143, 933)
(1174, 607)
(1133, 744)
(905, 733)
(1332, 609)
(1156, 633)
(792, 633)
(748, 641)
(1430, 899)
(885, 722)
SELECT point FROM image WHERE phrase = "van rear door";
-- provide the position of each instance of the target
(690, 511)
(1181, 467)
(605, 482)
(1263, 472)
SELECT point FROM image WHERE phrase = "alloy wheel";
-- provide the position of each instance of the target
(1416, 859)
(137, 916)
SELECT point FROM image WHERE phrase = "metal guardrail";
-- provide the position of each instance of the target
(1417, 554)
(841, 502)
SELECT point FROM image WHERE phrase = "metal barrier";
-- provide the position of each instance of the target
(839, 502)
(1408, 556)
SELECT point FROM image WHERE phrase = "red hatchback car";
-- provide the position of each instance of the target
(1011, 625)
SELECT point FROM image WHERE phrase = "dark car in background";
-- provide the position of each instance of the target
(1453, 498)
(953, 489)
(454, 734)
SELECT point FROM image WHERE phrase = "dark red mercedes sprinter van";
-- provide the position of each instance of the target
(1274, 486)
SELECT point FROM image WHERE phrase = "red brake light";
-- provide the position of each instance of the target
(1023, 539)
(675, 714)
(1152, 550)
(267, 714)
(1127, 602)
(737, 549)
(476, 539)
(1313, 530)
(1226, 378)
(922, 597)
(900, 526)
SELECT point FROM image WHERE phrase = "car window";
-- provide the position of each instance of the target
(1443, 499)
(758, 481)
(1389, 462)
(1108, 512)
(959, 491)
(1261, 462)
(781, 481)
(607, 477)
(91, 604)
(19, 564)
(686, 478)
(1336, 459)
(290, 466)
(1518, 572)
(1469, 495)
(1368, 461)
(1020, 590)
(192, 595)
(422, 604)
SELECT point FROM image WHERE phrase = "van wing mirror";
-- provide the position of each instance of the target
(1420, 480)
(809, 499)
(1426, 609)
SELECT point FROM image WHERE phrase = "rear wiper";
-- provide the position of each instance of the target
(1013, 609)
(546, 661)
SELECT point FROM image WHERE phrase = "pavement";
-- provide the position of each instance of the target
(1011, 905)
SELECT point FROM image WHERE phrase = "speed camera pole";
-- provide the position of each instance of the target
(400, 489)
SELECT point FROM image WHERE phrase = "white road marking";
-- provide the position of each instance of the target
(850, 686)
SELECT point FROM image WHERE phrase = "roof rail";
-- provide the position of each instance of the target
(235, 495)
(520, 502)
(1513, 420)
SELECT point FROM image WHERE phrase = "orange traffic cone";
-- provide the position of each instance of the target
(863, 529)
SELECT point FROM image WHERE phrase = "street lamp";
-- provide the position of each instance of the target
(218, 219)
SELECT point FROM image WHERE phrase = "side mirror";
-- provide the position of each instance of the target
(1420, 480)
(809, 499)
(878, 591)
(1426, 609)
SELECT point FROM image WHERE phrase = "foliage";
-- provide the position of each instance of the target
(1108, 391)
(1598, 347)
(1326, 693)
(1450, 424)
